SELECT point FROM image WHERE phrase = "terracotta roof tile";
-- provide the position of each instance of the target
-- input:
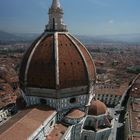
(91, 66)
(97, 108)
(134, 120)
(57, 132)
(116, 91)
(72, 68)
(25, 123)
(134, 110)
(75, 114)
(7, 96)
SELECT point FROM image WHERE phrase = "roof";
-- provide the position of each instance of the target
(22, 125)
(57, 132)
(135, 121)
(2, 81)
(133, 107)
(56, 61)
(105, 89)
(135, 138)
(14, 79)
(134, 116)
(7, 96)
(135, 90)
(97, 108)
(8, 74)
(75, 114)
(136, 105)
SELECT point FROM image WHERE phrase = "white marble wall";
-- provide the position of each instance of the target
(4, 113)
(109, 99)
(60, 104)
(45, 128)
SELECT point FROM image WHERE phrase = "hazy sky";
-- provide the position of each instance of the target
(89, 17)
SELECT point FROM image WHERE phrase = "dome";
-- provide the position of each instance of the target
(56, 61)
(75, 114)
(97, 108)
(57, 64)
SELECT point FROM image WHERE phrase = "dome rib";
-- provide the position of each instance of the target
(56, 59)
(31, 55)
(90, 63)
(24, 61)
(41, 72)
(80, 54)
(73, 72)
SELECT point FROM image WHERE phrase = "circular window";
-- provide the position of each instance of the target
(51, 123)
(73, 100)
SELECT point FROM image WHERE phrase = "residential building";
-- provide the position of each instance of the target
(132, 117)
(110, 93)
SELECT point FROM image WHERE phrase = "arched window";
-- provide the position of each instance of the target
(85, 137)
(51, 123)
(72, 100)
(89, 123)
(43, 101)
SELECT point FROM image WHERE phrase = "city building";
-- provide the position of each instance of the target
(8, 91)
(132, 117)
(57, 79)
(109, 93)
(98, 123)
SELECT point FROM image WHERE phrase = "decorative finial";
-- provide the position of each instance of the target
(56, 4)
(56, 18)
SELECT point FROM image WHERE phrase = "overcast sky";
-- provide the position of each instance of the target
(86, 17)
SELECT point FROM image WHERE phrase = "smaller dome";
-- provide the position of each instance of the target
(97, 108)
(75, 114)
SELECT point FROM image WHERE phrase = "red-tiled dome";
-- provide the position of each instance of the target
(57, 64)
(75, 114)
(97, 108)
(56, 61)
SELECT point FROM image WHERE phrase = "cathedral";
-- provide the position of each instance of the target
(57, 79)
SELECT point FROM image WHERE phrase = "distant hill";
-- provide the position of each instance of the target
(92, 40)
(130, 38)
(6, 37)
(29, 37)
(122, 38)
